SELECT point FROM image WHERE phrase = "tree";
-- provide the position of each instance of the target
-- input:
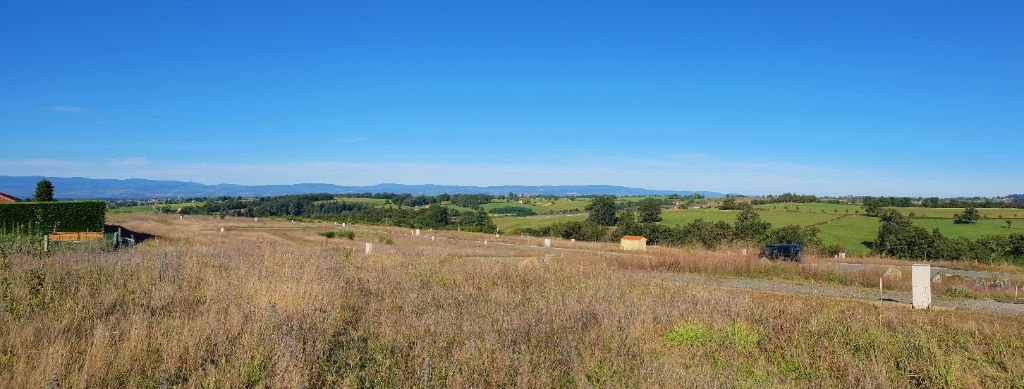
(970, 216)
(1009, 224)
(626, 225)
(602, 210)
(44, 191)
(433, 217)
(898, 237)
(750, 227)
(649, 210)
(806, 236)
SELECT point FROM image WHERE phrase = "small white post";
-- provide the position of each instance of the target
(744, 252)
(432, 238)
(922, 285)
(485, 243)
(181, 217)
(842, 255)
(880, 288)
(573, 240)
(547, 242)
(342, 225)
(369, 247)
(417, 232)
(256, 219)
(222, 229)
(46, 243)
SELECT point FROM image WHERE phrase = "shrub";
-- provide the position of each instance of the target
(44, 217)
(338, 234)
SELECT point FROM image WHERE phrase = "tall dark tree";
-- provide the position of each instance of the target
(44, 191)
(602, 210)
(649, 210)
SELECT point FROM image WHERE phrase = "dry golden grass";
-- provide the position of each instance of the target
(287, 308)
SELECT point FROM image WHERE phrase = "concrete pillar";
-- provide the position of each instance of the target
(744, 252)
(369, 247)
(417, 232)
(342, 225)
(432, 238)
(256, 219)
(46, 243)
(547, 242)
(485, 243)
(921, 282)
(222, 229)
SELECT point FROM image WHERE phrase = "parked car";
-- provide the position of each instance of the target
(785, 252)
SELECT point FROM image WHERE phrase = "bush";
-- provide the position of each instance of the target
(44, 217)
(338, 234)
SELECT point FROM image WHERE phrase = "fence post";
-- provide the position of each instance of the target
(880, 288)
(46, 243)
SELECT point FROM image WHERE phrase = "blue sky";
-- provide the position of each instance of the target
(862, 97)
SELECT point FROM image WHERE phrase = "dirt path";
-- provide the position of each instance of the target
(835, 291)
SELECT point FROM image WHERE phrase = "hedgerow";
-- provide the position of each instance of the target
(43, 217)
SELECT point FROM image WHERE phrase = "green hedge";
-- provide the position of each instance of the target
(43, 217)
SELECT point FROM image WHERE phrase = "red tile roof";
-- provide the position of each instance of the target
(6, 198)
(632, 237)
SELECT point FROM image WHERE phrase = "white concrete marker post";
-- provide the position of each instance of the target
(417, 232)
(547, 242)
(342, 225)
(369, 247)
(921, 281)
(432, 238)
(256, 219)
(744, 252)
(222, 229)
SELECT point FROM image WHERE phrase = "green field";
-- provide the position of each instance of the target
(949, 213)
(152, 208)
(836, 209)
(542, 207)
(838, 224)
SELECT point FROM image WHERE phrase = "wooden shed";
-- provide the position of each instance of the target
(634, 243)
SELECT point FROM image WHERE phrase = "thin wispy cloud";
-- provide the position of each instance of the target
(69, 109)
(130, 161)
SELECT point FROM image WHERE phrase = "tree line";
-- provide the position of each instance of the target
(315, 206)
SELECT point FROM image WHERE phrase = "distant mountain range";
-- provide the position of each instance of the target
(137, 188)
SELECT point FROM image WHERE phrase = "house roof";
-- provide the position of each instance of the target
(632, 237)
(8, 197)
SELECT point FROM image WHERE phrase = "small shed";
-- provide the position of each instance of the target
(634, 243)
(6, 198)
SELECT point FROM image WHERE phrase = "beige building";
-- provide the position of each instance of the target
(634, 243)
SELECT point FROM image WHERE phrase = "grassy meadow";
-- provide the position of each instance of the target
(542, 207)
(838, 223)
(277, 305)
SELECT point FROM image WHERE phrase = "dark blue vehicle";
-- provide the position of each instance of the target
(785, 252)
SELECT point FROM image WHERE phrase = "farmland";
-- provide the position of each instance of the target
(278, 304)
(841, 224)
(838, 224)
